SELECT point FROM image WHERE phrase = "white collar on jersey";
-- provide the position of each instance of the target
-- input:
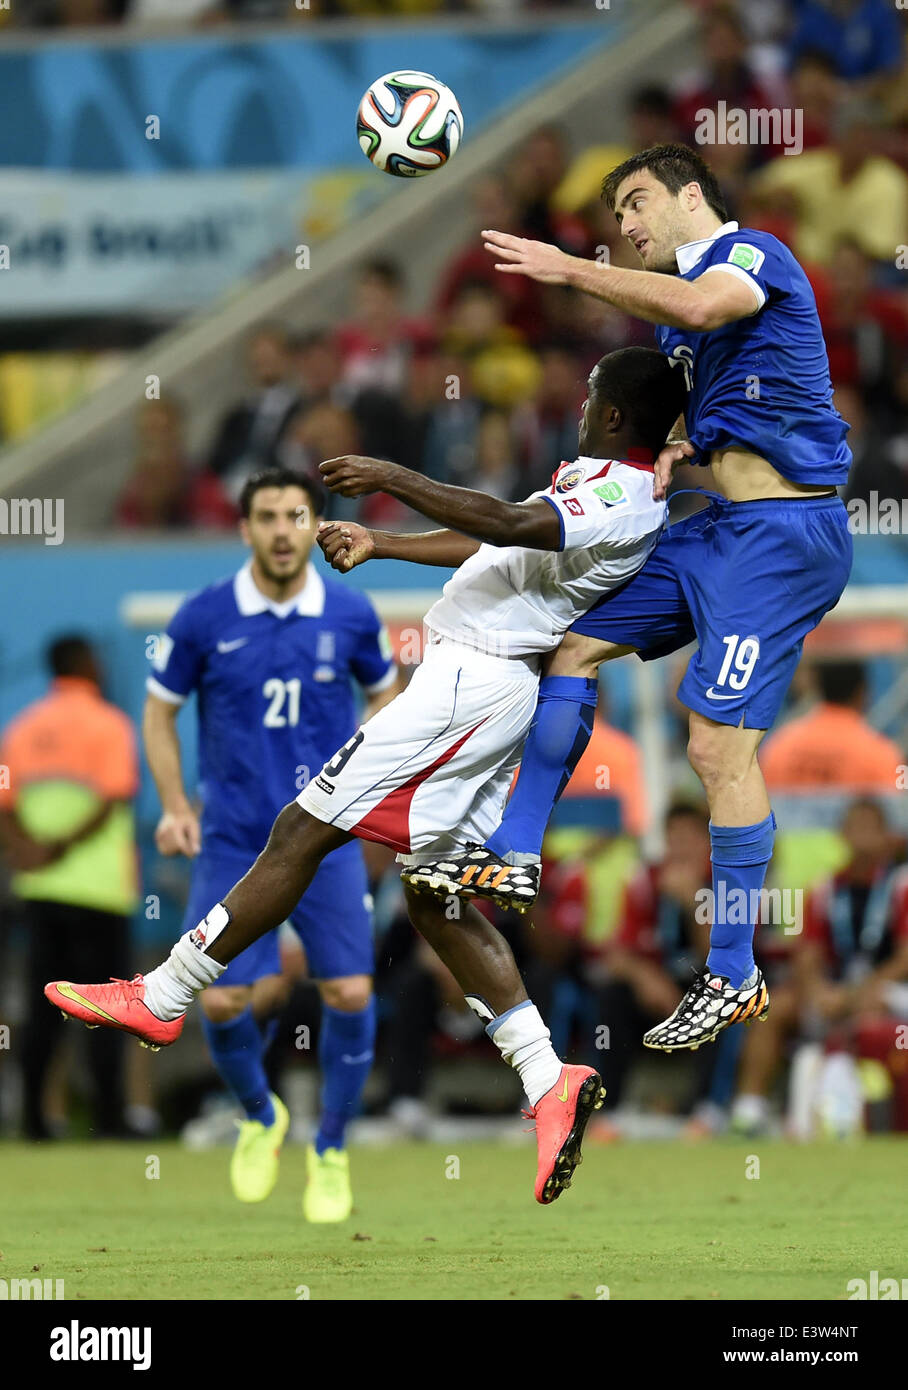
(309, 602)
(691, 252)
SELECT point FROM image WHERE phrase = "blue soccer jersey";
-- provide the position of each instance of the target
(275, 695)
(761, 382)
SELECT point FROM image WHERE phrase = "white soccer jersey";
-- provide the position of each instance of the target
(431, 771)
(515, 601)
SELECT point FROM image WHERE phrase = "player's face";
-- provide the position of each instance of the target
(653, 221)
(280, 531)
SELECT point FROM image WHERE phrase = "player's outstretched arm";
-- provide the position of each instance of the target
(697, 305)
(533, 523)
(347, 544)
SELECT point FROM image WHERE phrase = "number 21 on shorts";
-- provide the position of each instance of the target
(740, 659)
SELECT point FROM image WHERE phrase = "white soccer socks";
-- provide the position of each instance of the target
(172, 987)
(525, 1044)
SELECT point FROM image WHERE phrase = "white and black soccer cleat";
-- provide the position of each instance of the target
(709, 1005)
(476, 872)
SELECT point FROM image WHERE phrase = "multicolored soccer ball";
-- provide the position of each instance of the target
(408, 124)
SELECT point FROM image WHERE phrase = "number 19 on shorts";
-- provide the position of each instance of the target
(740, 659)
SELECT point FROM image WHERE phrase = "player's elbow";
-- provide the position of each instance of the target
(702, 316)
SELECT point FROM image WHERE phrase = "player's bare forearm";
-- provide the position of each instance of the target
(486, 518)
(446, 548)
(662, 299)
(162, 752)
(698, 305)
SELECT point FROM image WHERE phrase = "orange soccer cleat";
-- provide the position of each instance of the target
(561, 1117)
(121, 1004)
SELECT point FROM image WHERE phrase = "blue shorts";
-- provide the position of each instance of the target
(748, 581)
(333, 918)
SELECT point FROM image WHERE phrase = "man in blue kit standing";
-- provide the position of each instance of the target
(272, 654)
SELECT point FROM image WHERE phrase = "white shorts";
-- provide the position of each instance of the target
(432, 770)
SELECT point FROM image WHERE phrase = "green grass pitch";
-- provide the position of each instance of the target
(644, 1221)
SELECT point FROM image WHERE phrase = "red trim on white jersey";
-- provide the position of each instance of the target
(643, 459)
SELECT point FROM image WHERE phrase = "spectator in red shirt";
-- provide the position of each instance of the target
(164, 490)
(727, 76)
(377, 342)
(865, 327)
(495, 206)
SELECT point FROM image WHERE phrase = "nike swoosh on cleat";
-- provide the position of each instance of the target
(565, 1096)
(68, 992)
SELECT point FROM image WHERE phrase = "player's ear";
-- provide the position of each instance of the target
(244, 530)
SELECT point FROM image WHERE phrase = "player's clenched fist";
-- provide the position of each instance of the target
(354, 476)
(345, 543)
(178, 833)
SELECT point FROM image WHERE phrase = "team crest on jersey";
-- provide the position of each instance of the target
(570, 478)
(746, 256)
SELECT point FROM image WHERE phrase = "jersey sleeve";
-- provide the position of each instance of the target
(603, 510)
(177, 665)
(760, 263)
(373, 662)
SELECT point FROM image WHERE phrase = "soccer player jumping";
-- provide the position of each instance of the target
(748, 577)
(430, 772)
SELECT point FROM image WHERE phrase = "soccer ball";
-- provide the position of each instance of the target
(408, 124)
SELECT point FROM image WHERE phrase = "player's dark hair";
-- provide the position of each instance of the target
(675, 166)
(70, 655)
(649, 393)
(840, 681)
(282, 477)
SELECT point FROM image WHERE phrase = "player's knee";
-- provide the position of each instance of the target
(269, 995)
(714, 757)
(295, 835)
(224, 1003)
(578, 655)
(349, 995)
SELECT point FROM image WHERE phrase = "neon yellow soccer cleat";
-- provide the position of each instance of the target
(328, 1195)
(254, 1165)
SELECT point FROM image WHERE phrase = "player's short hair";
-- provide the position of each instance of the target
(646, 389)
(69, 655)
(840, 681)
(282, 477)
(675, 166)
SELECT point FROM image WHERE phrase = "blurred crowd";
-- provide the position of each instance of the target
(483, 387)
